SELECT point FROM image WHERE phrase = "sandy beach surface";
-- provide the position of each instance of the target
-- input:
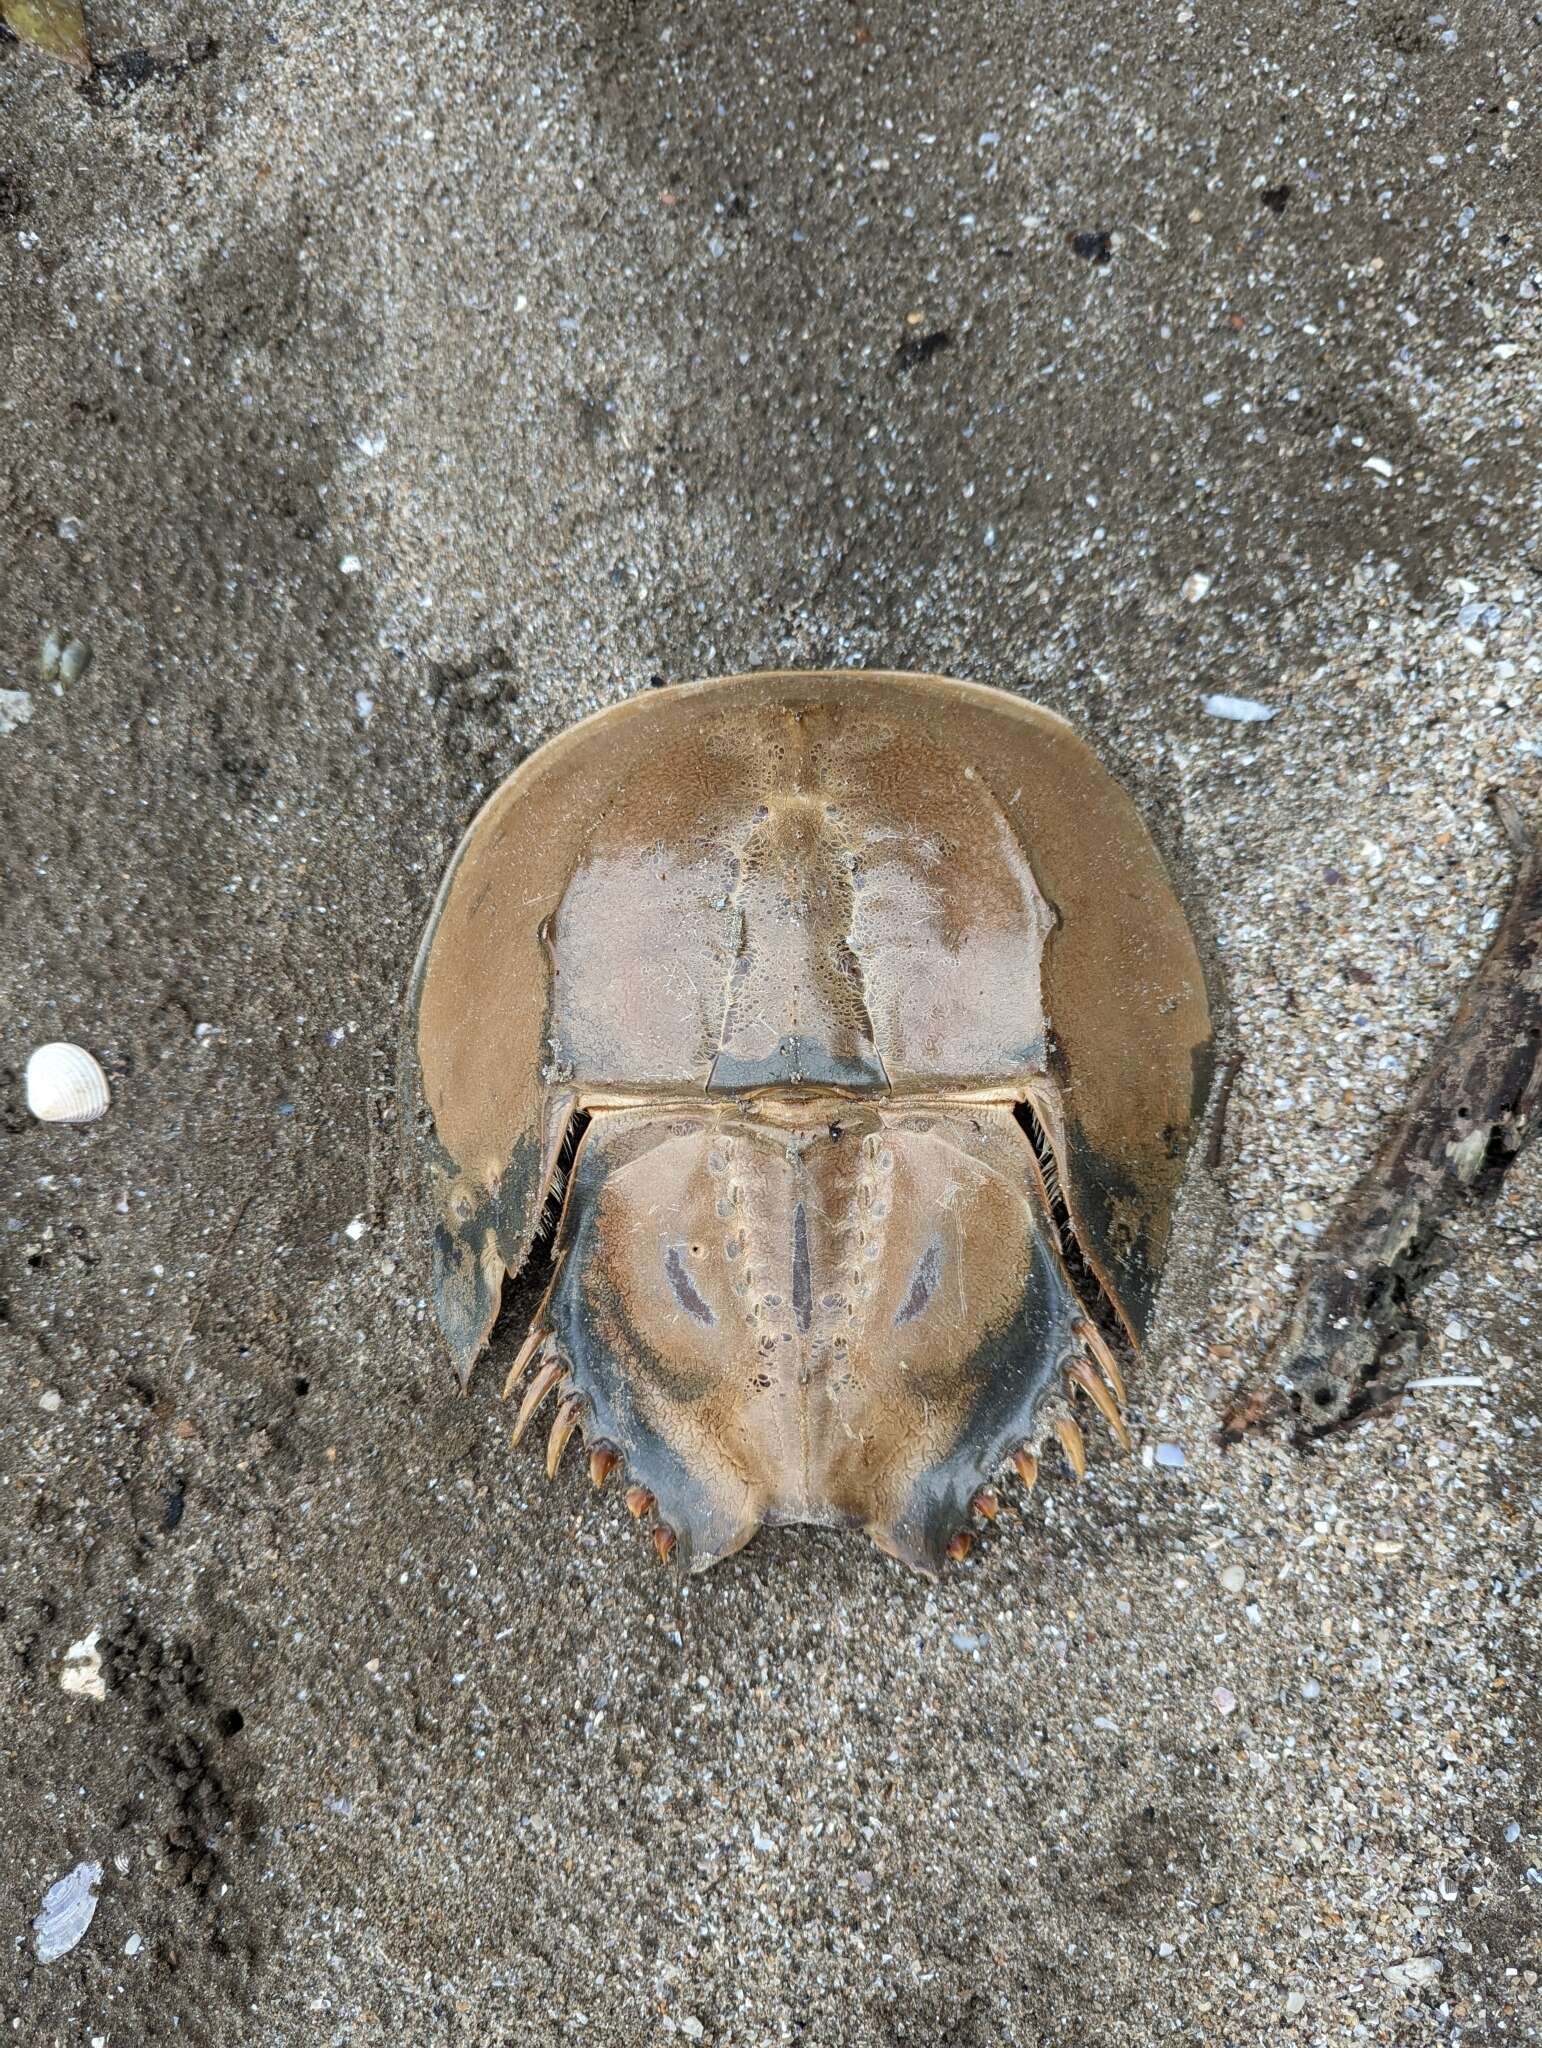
(382, 389)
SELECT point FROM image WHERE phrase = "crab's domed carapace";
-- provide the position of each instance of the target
(848, 1032)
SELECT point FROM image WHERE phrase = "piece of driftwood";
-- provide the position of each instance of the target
(1215, 1151)
(1352, 1334)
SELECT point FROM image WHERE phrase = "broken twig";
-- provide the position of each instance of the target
(1216, 1149)
(1352, 1336)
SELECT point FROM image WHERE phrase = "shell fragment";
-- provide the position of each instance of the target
(67, 1911)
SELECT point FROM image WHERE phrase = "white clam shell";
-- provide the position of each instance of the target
(65, 1085)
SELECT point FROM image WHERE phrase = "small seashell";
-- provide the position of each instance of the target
(67, 1911)
(65, 1085)
(1416, 1971)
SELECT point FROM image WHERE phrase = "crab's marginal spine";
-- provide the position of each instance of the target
(562, 1428)
(603, 1460)
(539, 1388)
(1073, 1443)
(527, 1351)
(1026, 1466)
(1090, 1335)
(1082, 1374)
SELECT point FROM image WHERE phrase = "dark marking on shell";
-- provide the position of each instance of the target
(685, 1290)
(923, 1286)
(802, 1275)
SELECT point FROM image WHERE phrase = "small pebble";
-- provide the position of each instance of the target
(355, 1230)
(15, 710)
(1378, 463)
(1225, 1700)
(350, 565)
(74, 660)
(1310, 1689)
(133, 1945)
(1233, 1579)
(1171, 1456)
(1295, 2002)
(50, 1400)
(1197, 586)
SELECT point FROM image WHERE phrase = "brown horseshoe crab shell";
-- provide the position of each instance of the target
(800, 1006)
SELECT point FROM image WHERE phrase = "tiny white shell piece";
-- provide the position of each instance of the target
(82, 1671)
(65, 1085)
(1245, 710)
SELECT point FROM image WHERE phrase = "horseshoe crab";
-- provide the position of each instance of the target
(838, 1040)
